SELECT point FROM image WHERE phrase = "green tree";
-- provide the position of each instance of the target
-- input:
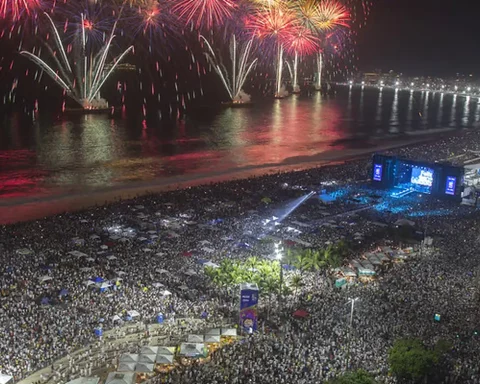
(356, 377)
(296, 283)
(410, 360)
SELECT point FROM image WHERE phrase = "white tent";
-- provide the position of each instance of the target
(158, 285)
(166, 293)
(164, 359)
(103, 246)
(45, 278)
(192, 349)
(111, 257)
(166, 350)
(89, 282)
(120, 378)
(190, 272)
(77, 254)
(126, 367)
(212, 339)
(120, 273)
(211, 265)
(160, 270)
(85, 380)
(183, 288)
(116, 318)
(195, 339)
(149, 350)
(148, 359)
(133, 313)
(144, 368)
(128, 358)
(229, 332)
(213, 332)
(85, 269)
(5, 379)
(104, 285)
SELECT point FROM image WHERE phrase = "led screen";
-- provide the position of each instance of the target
(377, 172)
(450, 185)
(422, 176)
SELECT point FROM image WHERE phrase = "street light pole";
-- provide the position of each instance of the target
(350, 329)
(278, 252)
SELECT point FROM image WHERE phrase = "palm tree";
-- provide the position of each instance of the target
(315, 259)
(296, 283)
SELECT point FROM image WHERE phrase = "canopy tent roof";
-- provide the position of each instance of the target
(164, 359)
(148, 359)
(133, 313)
(213, 332)
(85, 380)
(129, 358)
(149, 350)
(212, 339)
(166, 350)
(192, 349)
(300, 313)
(120, 378)
(4, 379)
(229, 332)
(144, 367)
(195, 339)
(126, 367)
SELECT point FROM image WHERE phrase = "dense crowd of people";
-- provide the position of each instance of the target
(65, 276)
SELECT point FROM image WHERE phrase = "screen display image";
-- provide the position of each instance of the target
(377, 172)
(422, 176)
(450, 185)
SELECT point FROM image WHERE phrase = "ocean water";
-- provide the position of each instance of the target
(86, 153)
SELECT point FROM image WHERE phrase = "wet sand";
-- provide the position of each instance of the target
(26, 209)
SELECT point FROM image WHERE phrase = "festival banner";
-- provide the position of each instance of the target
(248, 307)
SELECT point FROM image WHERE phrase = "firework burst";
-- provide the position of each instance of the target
(332, 14)
(277, 25)
(204, 13)
(302, 43)
(84, 78)
(242, 65)
(16, 8)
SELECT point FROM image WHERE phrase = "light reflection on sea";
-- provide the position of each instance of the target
(95, 151)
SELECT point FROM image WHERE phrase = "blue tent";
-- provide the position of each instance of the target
(98, 332)
(9, 269)
(202, 261)
(128, 318)
(288, 267)
(63, 292)
(45, 301)
(98, 279)
(204, 315)
(160, 318)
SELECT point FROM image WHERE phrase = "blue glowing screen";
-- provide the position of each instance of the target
(377, 172)
(422, 176)
(450, 185)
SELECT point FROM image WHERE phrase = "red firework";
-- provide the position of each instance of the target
(204, 12)
(332, 14)
(303, 42)
(15, 8)
(278, 23)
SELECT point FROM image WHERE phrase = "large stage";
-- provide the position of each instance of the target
(405, 176)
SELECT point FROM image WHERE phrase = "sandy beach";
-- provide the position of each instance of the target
(26, 209)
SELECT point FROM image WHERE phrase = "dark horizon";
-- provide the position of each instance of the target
(421, 38)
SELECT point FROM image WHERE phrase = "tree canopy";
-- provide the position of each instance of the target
(410, 360)
(356, 377)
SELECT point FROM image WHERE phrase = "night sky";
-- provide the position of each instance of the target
(422, 37)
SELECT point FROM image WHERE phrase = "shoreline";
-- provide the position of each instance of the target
(33, 208)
